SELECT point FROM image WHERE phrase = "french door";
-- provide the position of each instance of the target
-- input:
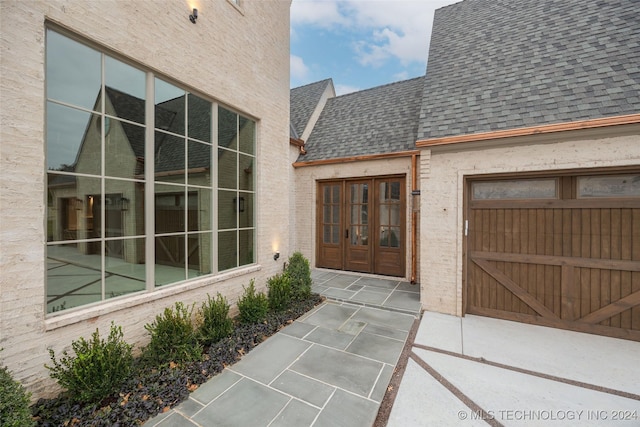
(361, 225)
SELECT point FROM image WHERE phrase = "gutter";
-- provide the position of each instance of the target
(356, 158)
(415, 195)
(531, 130)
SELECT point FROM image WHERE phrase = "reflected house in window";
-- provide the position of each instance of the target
(183, 195)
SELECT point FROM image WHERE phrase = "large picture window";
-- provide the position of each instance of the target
(112, 139)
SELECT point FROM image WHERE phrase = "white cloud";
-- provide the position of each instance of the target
(297, 68)
(319, 13)
(344, 89)
(389, 29)
(403, 75)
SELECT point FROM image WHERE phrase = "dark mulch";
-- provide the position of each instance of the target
(155, 390)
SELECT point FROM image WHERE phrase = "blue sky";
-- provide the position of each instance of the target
(360, 43)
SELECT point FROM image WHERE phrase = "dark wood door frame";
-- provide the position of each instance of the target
(358, 238)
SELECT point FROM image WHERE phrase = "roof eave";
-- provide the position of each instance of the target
(532, 130)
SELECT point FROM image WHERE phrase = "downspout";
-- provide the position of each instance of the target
(415, 192)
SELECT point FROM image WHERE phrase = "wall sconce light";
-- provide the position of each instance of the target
(124, 204)
(239, 204)
(194, 16)
(78, 204)
(276, 256)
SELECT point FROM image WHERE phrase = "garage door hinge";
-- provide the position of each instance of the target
(466, 227)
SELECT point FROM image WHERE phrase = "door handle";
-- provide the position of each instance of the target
(346, 233)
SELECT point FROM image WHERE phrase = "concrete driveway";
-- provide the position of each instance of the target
(478, 371)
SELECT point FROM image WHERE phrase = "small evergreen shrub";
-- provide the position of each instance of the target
(279, 292)
(299, 272)
(98, 368)
(216, 323)
(253, 306)
(14, 402)
(173, 337)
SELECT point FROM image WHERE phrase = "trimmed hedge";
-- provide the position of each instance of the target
(96, 369)
(14, 402)
(152, 390)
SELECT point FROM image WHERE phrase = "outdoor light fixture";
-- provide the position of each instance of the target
(194, 16)
(124, 204)
(276, 256)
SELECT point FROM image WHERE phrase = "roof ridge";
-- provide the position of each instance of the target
(313, 83)
(379, 87)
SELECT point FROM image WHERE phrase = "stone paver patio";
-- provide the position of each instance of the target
(330, 367)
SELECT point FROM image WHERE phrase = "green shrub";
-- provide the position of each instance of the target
(173, 337)
(216, 323)
(98, 368)
(299, 272)
(14, 402)
(253, 306)
(279, 292)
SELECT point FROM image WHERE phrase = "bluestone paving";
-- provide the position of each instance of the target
(350, 372)
(347, 410)
(212, 389)
(331, 316)
(298, 329)
(275, 354)
(387, 332)
(330, 367)
(177, 420)
(295, 414)
(330, 338)
(246, 403)
(341, 294)
(189, 407)
(403, 300)
(384, 318)
(376, 347)
(304, 388)
(373, 297)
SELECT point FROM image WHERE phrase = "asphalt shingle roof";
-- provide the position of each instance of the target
(503, 64)
(380, 120)
(303, 101)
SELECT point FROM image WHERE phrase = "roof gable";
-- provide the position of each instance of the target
(304, 101)
(500, 64)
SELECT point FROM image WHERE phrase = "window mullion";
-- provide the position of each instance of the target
(103, 204)
(214, 187)
(149, 172)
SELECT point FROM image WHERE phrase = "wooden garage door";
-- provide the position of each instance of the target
(560, 251)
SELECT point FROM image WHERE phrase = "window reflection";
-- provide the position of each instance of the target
(126, 89)
(227, 129)
(124, 149)
(227, 167)
(96, 146)
(170, 107)
(68, 130)
(227, 250)
(199, 118)
(247, 135)
(73, 71)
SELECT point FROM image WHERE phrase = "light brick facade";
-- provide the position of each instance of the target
(237, 56)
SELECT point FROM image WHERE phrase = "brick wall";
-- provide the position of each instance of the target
(237, 56)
